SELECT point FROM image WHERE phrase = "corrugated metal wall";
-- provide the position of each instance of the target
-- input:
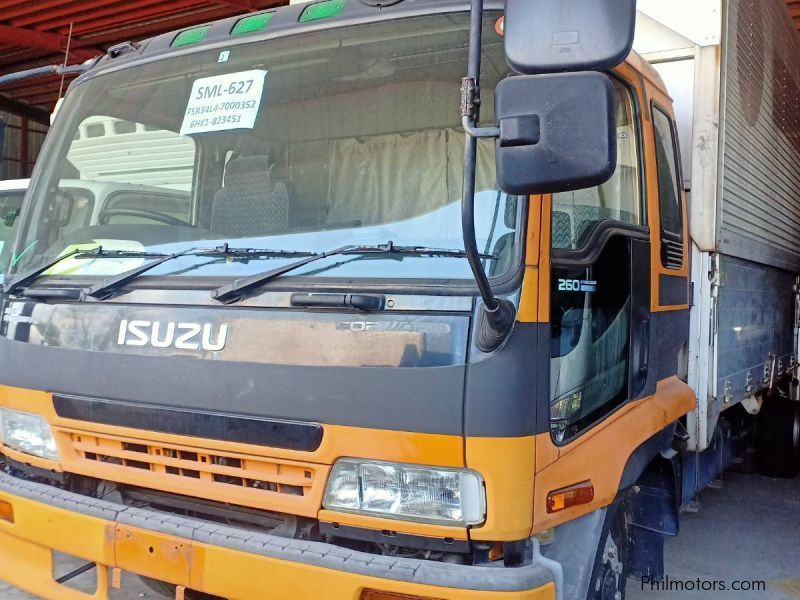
(23, 140)
(755, 315)
(760, 208)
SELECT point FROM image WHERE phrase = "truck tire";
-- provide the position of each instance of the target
(778, 438)
(613, 562)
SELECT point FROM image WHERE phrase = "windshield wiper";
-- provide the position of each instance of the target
(237, 289)
(26, 279)
(107, 287)
(226, 250)
(390, 248)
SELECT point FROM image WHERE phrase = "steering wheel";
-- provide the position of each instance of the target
(106, 214)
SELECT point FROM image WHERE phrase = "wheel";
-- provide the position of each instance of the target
(778, 438)
(612, 571)
(168, 590)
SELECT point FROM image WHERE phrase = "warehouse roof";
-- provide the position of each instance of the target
(34, 34)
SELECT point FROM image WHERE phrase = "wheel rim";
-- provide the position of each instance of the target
(608, 584)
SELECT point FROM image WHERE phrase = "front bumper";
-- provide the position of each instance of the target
(219, 559)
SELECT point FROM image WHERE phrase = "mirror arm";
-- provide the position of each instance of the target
(479, 132)
(497, 316)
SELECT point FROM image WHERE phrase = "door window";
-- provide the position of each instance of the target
(590, 331)
(576, 213)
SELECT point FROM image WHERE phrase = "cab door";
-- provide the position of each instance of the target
(616, 327)
(600, 289)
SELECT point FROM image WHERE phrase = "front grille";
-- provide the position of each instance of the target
(265, 483)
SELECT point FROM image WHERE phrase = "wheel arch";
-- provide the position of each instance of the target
(650, 493)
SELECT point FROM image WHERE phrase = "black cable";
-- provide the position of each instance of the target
(470, 164)
(73, 574)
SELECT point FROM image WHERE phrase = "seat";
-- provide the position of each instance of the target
(562, 230)
(250, 204)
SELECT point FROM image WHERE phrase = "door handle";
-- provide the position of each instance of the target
(644, 340)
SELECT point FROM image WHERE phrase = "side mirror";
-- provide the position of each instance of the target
(546, 36)
(557, 132)
(554, 132)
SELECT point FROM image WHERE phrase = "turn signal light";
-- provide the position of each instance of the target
(580, 493)
(379, 595)
(6, 511)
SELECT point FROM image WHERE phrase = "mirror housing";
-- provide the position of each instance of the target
(557, 132)
(547, 36)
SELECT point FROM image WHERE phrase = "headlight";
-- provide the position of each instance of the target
(411, 493)
(28, 433)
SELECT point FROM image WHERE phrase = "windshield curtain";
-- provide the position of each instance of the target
(307, 143)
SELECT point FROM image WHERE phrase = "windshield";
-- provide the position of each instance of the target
(347, 136)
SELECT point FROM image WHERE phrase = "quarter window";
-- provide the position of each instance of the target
(669, 195)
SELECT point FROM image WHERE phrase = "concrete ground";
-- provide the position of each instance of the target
(747, 531)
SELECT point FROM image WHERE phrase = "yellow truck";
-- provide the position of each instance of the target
(317, 345)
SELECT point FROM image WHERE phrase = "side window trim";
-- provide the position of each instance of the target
(600, 236)
(671, 241)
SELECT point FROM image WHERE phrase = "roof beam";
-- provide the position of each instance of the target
(120, 14)
(135, 30)
(56, 16)
(240, 4)
(24, 110)
(42, 40)
(155, 9)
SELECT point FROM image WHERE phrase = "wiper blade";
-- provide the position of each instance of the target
(226, 250)
(238, 288)
(390, 248)
(107, 287)
(13, 286)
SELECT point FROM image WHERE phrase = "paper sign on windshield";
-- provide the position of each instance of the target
(224, 102)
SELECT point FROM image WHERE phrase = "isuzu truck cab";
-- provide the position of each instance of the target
(322, 343)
